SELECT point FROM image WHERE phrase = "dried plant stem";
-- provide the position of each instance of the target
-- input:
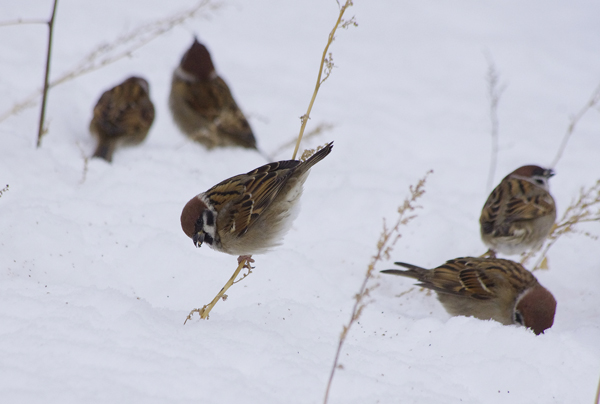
(495, 90)
(320, 128)
(22, 21)
(385, 245)
(3, 190)
(584, 209)
(592, 102)
(120, 48)
(597, 401)
(325, 67)
(46, 75)
(205, 310)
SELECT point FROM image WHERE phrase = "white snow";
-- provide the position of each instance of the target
(97, 277)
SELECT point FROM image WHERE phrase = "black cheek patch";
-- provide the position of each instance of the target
(210, 218)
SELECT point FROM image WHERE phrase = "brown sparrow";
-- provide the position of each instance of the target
(519, 213)
(487, 288)
(123, 115)
(249, 213)
(202, 105)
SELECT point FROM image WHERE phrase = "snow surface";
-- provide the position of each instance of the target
(97, 276)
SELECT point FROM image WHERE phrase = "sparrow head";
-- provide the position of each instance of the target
(534, 174)
(535, 309)
(138, 82)
(198, 221)
(197, 62)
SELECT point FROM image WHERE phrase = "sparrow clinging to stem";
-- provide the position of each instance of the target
(248, 213)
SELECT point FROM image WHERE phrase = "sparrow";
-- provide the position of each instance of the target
(122, 115)
(249, 213)
(519, 213)
(487, 288)
(202, 104)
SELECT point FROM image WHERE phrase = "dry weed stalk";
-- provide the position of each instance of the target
(3, 190)
(120, 48)
(325, 68)
(319, 129)
(205, 310)
(584, 209)
(592, 102)
(41, 129)
(22, 21)
(597, 401)
(385, 245)
(495, 90)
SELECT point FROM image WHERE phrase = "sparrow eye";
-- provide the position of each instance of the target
(519, 318)
(539, 181)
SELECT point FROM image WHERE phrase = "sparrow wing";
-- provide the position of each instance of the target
(463, 277)
(528, 202)
(253, 193)
(514, 200)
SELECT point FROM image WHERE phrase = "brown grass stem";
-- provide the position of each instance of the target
(325, 68)
(50, 23)
(385, 245)
(591, 103)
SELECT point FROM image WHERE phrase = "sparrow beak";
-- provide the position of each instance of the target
(198, 239)
(549, 173)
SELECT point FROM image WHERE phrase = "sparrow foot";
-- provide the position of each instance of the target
(488, 254)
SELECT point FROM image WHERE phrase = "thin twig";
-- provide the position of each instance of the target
(495, 90)
(106, 54)
(592, 102)
(584, 209)
(325, 68)
(205, 310)
(3, 190)
(21, 21)
(320, 128)
(46, 75)
(597, 401)
(385, 245)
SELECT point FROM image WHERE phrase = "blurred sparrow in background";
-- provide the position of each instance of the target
(487, 288)
(202, 105)
(519, 213)
(123, 115)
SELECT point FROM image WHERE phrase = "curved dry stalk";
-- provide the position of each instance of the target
(243, 262)
(122, 47)
(50, 23)
(495, 90)
(3, 190)
(325, 67)
(385, 245)
(592, 102)
(319, 129)
(584, 209)
(22, 21)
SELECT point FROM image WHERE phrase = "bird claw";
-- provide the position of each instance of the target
(247, 260)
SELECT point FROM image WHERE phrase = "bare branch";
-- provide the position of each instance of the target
(584, 209)
(495, 90)
(123, 46)
(325, 68)
(592, 102)
(385, 244)
(41, 129)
